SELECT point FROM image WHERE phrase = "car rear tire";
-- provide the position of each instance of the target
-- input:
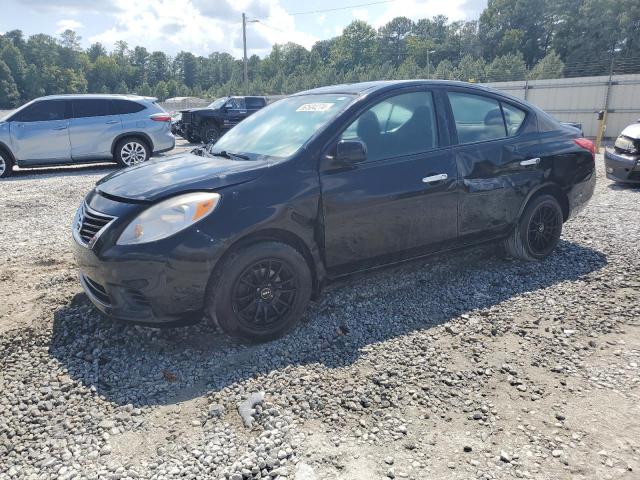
(538, 231)
(210, 133)
(132, 151)
(260, 291)
(6, 165)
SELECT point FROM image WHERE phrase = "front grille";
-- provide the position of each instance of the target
(186, 117)
(91, 223)
(96, 290)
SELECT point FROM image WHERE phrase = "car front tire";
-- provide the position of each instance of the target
(260, 291)
(6, 165)
(131, 151)
(538, 231)
(210, 133)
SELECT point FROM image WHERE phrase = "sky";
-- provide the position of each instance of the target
(205, 26)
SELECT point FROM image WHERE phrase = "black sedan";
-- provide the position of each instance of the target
(322, 184)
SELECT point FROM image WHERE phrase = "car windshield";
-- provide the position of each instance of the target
(280, 129)
(218, 103)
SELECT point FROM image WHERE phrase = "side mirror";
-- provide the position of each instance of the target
(350, 152)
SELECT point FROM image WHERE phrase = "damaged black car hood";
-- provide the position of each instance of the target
(163, 177)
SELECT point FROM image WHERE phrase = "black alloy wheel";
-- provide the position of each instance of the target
(210, 134)
(538, 230)
(259, 291)
(544, 226)
(264, 293)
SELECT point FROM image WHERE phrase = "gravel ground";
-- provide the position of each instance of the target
(465, 366)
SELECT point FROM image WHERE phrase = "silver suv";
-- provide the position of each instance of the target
(64, 129)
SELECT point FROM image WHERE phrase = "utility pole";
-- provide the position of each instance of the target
(244, 44)
(429, 64)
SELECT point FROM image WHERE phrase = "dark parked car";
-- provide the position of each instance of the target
(622, 162)
(208, 124)
(322, 184)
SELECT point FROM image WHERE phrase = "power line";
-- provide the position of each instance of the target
(310, 12)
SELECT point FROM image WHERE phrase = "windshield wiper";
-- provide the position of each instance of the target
(230, 155)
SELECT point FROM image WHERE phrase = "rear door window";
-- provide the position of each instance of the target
(124, 107)
(90, 107)
(478, 118)
(254, 102)
(43, 111)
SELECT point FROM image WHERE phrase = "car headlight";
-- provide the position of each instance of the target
(168, 217)
(626, 144)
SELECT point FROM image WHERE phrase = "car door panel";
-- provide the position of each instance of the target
(92, 129)
(402, 201)
(92, 137)
(498, 160)
(494, 183)
(235, 113)
(41, 142)
(384, 209)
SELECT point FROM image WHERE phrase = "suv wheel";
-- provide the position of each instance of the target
(260, 291)
(538, 230)
(210, 133)
(131, 151)
(6, 165)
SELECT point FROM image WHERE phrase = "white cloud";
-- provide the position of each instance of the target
(417, 9)
(322, 18)
(202, 26)
(68, 24)
(360, 14)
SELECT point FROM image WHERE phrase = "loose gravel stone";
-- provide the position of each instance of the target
(463, 366)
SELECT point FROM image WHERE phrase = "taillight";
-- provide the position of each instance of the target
(160, 117)
(586, 144)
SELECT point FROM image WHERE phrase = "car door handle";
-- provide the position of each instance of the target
(64, 127)
(111, 122)
(435, 178)
(531, 161)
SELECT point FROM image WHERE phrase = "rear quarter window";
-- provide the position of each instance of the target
(513, 117)
(124, 107)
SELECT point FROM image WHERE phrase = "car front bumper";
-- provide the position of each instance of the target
(622, 168)
(162, 287)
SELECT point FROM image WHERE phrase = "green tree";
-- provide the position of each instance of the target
(13, 58)
(185, 67)
(158, 68)
(9, 96)
(551, 66)
(471, 69)
(506, 68)
(445, 70)
(96, 50)
(512, 26)
(104, 75)
(393, 40)
(355, 47)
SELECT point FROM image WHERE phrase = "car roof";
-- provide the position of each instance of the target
(369, 87)
(95, 96)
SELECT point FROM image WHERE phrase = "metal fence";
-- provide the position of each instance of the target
(577, 99)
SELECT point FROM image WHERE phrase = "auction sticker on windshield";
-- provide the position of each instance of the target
(315, 107)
